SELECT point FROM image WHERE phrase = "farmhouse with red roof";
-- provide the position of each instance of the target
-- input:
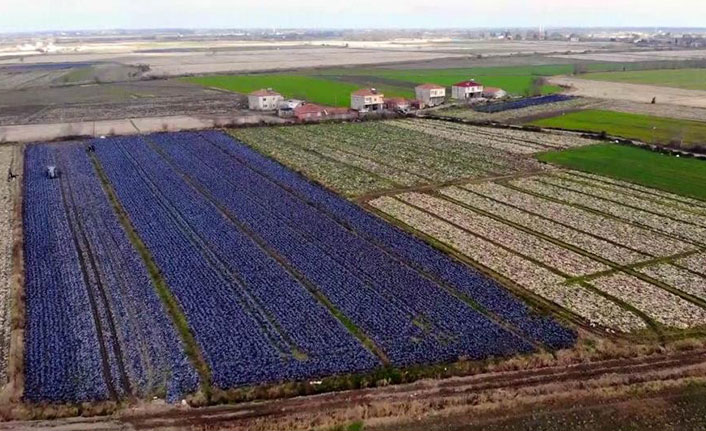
(430, 94)
(264, 100)
(466, 90)
(367, 99)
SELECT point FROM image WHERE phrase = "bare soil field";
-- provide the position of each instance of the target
(635, 56)
(631, 92)
(139, 99)
(199, 62)
(127, 126)
(657, 110)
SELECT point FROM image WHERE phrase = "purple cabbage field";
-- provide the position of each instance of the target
(278, 278)
(522, 103)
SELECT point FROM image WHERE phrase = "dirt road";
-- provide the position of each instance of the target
(631, 92)
(479, 396)
(128, 126)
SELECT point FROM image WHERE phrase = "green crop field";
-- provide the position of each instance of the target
(679, 175)
(633, 126)
(692, 79)
(333, 86)
(313, 89)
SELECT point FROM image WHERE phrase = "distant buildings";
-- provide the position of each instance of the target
(264, 100)
(430, 94)
(367, 99)
(494, 93)
(467, 90)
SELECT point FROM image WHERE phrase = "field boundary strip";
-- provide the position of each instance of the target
(172, 306)
(14, 391)
(364, 339)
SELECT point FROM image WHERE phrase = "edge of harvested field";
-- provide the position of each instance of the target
(15, 368)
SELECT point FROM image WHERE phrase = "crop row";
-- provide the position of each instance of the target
(96, 327)
(498, 136)
(696, 263)
(230, 289)
(407, 151)
(404, 248)
(682, 279)
(548, 253)
(360, 158)
(659, 223)
(418, 321)
(640, 239)
(641, 191)
(7, 190)
(652, 206)
(525, 273)
(662, 306)
(592, 244)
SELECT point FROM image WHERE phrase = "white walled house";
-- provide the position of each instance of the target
(264, 100)
(367, 99)
(430, 94)
(467, 90)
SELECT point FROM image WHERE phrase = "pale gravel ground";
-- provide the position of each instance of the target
(6, 210)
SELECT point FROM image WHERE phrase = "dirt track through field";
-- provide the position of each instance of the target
(294, 410)
(631, 92)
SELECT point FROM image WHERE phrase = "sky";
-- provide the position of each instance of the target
(41, 15)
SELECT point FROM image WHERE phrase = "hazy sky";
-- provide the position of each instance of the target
(32, 15)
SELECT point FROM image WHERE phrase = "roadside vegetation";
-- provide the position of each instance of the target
(690, 79)
(683, 176)
(685, 134)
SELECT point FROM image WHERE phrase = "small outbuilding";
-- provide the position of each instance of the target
(286, 107)
(313, 112)
(494, 93)
(367, 99)
(264, 100)
(430, 94)
(397, 104)
(467, 90)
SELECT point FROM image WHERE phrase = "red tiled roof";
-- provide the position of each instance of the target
(467, 84)
(264, 92)
(430, 86)
(367, 92)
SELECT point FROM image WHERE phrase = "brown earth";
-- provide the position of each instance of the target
(630, 92)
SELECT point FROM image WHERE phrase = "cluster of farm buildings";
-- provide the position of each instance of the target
(371, 100)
